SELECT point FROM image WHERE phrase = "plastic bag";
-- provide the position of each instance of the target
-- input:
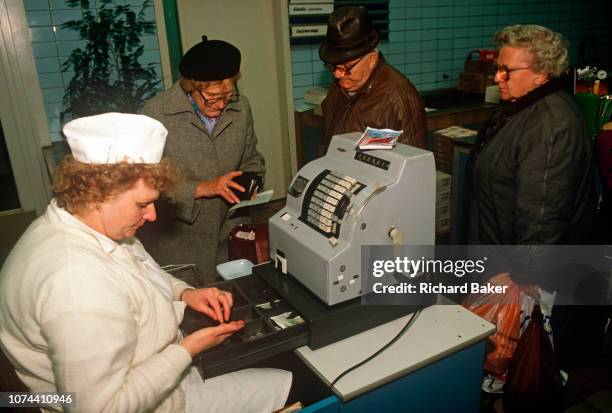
(503, 310)
(534, 382)
(546, 302)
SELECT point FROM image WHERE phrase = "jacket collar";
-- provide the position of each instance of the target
(67, 219)
(510, 108)
(507, 109)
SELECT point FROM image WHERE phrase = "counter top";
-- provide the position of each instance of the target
(439, 331)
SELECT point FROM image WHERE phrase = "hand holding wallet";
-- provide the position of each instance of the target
(251, 182)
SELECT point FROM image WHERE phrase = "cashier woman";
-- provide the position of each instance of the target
(85, 309)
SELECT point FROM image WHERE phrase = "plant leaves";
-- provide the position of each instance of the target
(108, 75)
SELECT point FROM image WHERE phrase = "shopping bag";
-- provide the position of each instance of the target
(250, 241)
(533, 382)
(504, 311)
(546, 302)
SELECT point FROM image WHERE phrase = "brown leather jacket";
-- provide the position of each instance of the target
(386, 100)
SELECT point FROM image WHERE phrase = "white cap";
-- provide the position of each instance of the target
(114, 137)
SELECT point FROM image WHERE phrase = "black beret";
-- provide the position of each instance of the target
(210, 60)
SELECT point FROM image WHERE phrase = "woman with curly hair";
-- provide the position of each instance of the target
(530, 181)
(85, 309)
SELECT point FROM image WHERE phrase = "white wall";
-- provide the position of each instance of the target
(22, 113)
(256, 28)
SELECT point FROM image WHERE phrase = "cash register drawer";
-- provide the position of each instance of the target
(262, 297)
(261, 338)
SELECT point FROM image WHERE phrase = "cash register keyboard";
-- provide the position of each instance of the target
(327, 200)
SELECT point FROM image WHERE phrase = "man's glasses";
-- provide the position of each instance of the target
(344, 70)
(504, 72)
(230, 98)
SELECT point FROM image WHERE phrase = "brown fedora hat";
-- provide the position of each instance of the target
(350, 34)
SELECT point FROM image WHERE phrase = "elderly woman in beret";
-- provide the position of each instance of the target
(84, 309)
(211, 135)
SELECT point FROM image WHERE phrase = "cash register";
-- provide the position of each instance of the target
(309, 293)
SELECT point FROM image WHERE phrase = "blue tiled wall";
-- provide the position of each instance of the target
(430, 39)
(52, 46)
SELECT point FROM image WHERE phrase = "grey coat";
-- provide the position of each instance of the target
(192, 230)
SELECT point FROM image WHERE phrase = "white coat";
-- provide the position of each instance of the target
(82, 313)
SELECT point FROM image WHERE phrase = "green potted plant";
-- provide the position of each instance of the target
(107, 73)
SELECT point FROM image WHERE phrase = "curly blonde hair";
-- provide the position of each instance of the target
(77, 184)
(548, 49)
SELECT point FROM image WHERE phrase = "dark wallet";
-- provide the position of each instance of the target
(251, 182)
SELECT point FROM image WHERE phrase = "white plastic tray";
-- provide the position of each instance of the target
(235, 269)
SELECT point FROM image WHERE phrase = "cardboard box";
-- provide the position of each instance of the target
(443, 182)
(443, 201)
(476, 66)
(443, 145)
(442, 212)
(474, 82)
(443, 217)
(443, 224)
(443, 198)
(443, 153)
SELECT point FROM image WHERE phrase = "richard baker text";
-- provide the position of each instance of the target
(438, 288)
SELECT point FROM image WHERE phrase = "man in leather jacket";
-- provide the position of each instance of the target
(367, 91)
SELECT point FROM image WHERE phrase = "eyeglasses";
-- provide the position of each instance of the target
(344, 70)
(231, 98)
(504, 72)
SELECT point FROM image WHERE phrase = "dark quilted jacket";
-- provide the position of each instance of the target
(532, 182)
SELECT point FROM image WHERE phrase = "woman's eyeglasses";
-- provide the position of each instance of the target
(344, 70)
(234, 96)
(504, 71)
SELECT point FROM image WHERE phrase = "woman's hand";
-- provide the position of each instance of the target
(213, 302)
(209, 337)
(220, 186)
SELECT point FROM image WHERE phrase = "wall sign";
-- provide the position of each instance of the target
(308, 18)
